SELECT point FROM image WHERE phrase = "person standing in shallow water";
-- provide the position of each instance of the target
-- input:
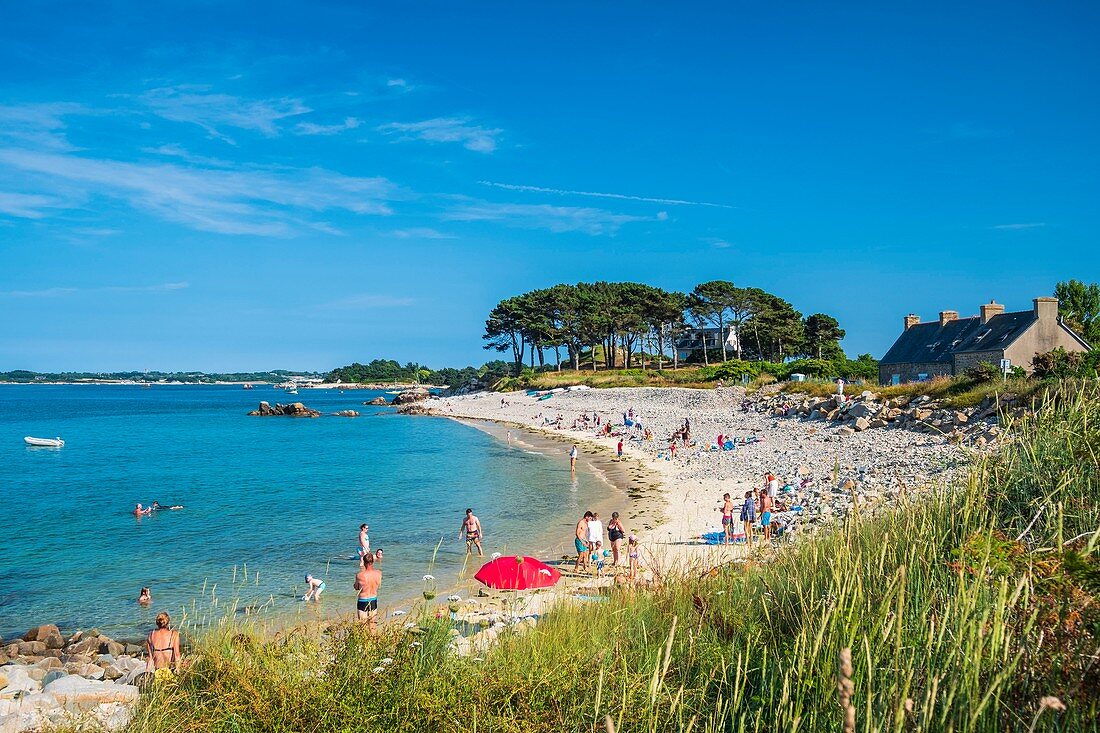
(573, 452)
(364, 540)
(367, 582)
(471, 529)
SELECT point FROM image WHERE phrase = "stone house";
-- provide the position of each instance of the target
(952, 345)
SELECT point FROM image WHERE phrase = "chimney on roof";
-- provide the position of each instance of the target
(1046, 308)
(990, 309)
(948, 316)
(911, 320)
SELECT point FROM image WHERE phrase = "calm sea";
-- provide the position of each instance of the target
(281, 496)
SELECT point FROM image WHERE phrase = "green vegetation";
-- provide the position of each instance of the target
(627, 324)
(970, 609)
(1079, 306)
(387, 370)
(23, 376)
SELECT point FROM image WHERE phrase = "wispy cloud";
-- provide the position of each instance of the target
(421, 233)
(717, 243)
(544, 216)
(1032, 225)
(398, 83)
(310, 128)
(213, 112)
(27, 205)
(447, 130)
(258, 200)
(40, 125)
(366, 301)
(594, 194)
(55, 292)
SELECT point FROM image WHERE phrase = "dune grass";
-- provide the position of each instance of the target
(973, 608)
(953, 391)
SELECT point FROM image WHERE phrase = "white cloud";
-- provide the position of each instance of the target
(421, 233)
(310, 128)
(594, 194)
(543, 216)
(60, 291)
(39, 125)
(257, 200)
(212, 112)
(447, 130)
(26, 205)
(1033, 225)
(717, 243)
(400, 83)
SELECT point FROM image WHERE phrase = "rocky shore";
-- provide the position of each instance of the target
(49, 680)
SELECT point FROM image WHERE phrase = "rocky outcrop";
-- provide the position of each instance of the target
(294, 409)
(87, 681)
(413, 408)
(418, 394)
(977, 426)
(346, 413)
(377, 401)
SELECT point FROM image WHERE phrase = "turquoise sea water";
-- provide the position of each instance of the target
(283, 496)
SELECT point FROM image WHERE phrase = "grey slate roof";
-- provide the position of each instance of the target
(933, 343)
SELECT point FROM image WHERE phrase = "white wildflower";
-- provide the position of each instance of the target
(410, 625)
(429, 577)
(399, 613)
(414, 645)
(378, 670)
(494, 556)
(454, 598)
(387, 661)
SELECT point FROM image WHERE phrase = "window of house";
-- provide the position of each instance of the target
(922, 377)
(895, 379)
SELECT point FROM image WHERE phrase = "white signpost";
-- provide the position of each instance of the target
(1006, 366)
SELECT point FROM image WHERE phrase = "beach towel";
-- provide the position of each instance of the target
(719, 538)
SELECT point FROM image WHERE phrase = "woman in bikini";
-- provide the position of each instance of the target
(163, 646)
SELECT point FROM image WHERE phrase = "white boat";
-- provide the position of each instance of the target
(44, 442)
(292, 391)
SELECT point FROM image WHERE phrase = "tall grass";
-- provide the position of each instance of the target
(951, 624)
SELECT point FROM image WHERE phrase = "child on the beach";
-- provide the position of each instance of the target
(316, 588)
(632, 553)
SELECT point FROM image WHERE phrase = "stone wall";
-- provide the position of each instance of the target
(971, 359)
(910, 371)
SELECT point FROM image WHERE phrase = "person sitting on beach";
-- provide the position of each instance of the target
(580, 542)
(364, 540)
(145, 597)
(367, 582)
(748, 516)
(163, 646)
(140, 512)
(316, 588)
(471, 529)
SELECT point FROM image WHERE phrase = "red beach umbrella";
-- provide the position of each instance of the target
(517, 572)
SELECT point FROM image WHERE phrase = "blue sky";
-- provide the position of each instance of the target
(232, 186)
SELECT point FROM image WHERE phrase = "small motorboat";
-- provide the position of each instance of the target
(44, 442)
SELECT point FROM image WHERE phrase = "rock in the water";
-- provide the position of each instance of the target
(41, 633)
(346, 413)
(294, 409)
(377, 401)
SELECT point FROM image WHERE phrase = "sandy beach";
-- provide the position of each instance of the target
(677, 499)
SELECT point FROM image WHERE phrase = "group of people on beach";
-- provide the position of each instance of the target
(765, 500)
(588, 542)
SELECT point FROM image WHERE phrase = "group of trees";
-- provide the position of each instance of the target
(382, 371)
(620, 324)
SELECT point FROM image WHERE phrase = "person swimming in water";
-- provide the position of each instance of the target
(145, 597)
(139, 511)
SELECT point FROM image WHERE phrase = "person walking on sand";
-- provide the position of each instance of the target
(163, 646)
(471, 530)
(615, 535)
(748, 516)
(580, 543)
(364, 540)
(619, 450)
(367, 582)
(727, 517)
(573, 452)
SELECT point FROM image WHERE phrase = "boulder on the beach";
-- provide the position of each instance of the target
(41, 633)
(418, 394)
(73, 691)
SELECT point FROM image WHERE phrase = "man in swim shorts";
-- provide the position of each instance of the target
(727, 517)
(367, 582)
(767, 503)
(580, 543)
(471, 529)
